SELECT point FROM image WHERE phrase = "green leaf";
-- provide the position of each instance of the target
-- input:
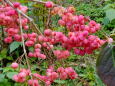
(7, 69)
(9, 58)
(4, 51)
(2, 77)
(110, 13)
(31, 49)
(11, 74)
(106, 21)
(3, 54)
(99, 81)
(17, 84)
(14, 46)
(1, 68)
(107, 7)
(60, 81)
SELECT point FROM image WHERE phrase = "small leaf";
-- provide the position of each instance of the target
(3, 54)
(17, 84)
(6, 69)
(4, 51)
(31, 49)
(14, 46)
(60, 81)
(9, 58)
(99, 81)
(1, 68)
(110, 14)
(11, 74)
(106, 21)
(1, 77)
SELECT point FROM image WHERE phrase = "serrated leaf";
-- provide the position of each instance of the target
(2, 77)
(5, 57)
(11, 74)
(14, 46)
(110, 13)
(6, 69)
(3, 54)
(113, 21)
(9, 58)
(60, 81)
(1, 68)
(107, 7)
(31, 49)
(106, 21)
(99, 81)
(17, 84)
(4, 51)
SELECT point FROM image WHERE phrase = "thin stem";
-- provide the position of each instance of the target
(24, 48)
(48, 19)
(20, 57)
(42, 2)
(19, 11)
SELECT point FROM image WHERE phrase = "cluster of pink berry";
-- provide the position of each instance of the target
(61, 54)
(32, 41)
(9, 18)
(81, 41)
(37, 41)
(80, 30)
(51, 75)
(66, 73)
(78, 38)
(21, 76)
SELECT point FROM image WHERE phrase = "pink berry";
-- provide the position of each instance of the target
(26, 27)
(49, 4)
(41, 38)
(37, 46)
(30, 54)
(22, 75)
(14, 65)
(42, 56)
(15, 78)
(17, 37)
(61, 22)
(47, 32)
(37, 50)
(48, 83)
(63, 76)
(8, 40)
(37, 75)
(16, 4)
(29, 43)
(109, 40)
(60, 69)
(33, 82)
